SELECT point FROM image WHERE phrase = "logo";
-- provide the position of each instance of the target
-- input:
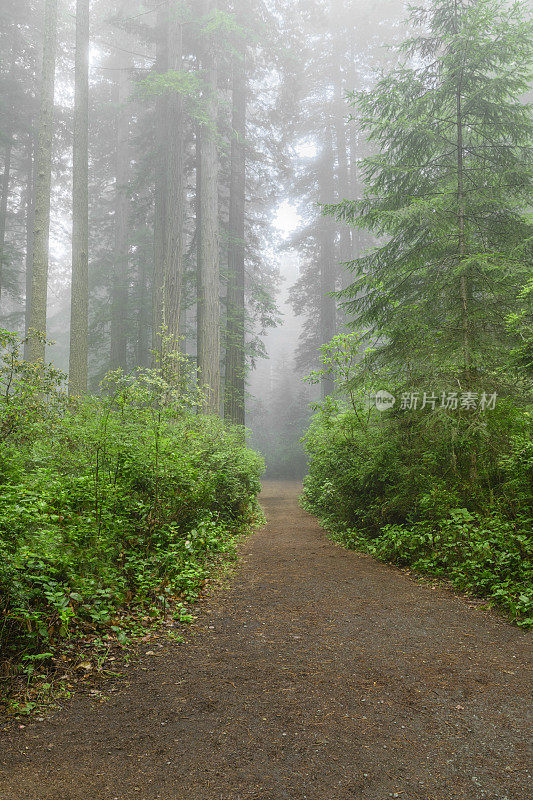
(384, 401)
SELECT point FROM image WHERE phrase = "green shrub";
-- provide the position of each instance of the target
(485, 556)
(447, 496)
(112, 501)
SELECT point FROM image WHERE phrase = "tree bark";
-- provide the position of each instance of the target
(173, 263)
(461, 227)
(463, 281)
(79, 308)
(208, 274)
(160, 209)
(327, 266)
(43, 180)
(234, 395)
(343, 173)
(30, 221)
(198, 220)
(355, 153)
(119, 288)
(141, 342)
(6, 177)
(3, 207)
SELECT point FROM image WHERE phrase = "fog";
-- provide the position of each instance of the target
(212, 133)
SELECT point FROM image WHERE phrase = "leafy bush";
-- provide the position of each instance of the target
(485, 556)
(108, 502)
(447, 496)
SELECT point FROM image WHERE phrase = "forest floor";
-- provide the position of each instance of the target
(316, 673)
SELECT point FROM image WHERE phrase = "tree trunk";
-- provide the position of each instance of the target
(327, 266)
(173, 263)
(463, 281)
(234, 395)
(3, 207)
(79, 309)
(343, 173)
(464, 289)
(208, 298)
(6, 177)
(160, 210)
(355, 153)
(142, 345)
(43, 180)
(119, 288)
(30, 221)
(198, 220)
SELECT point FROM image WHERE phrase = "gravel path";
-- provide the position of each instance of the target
(317, 674)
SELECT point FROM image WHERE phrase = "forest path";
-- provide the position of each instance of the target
(317, 674)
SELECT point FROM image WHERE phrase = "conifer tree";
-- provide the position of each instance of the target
(448, 191)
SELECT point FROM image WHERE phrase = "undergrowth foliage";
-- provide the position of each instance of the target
(400, 486)
(110, 502)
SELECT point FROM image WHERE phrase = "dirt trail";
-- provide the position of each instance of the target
(318, 674)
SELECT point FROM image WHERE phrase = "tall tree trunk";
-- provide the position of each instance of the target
(30, 221)
(464, 278)
(3, 207)
(234, 394)
(79, 307)
(328, 264)
(142, 344)
(160, 210)
(198, 222)
(357, 149)
(6, 177)
(119, 287)
(173, 263)
(355, 154)
(208, 267)
(43, 180)
(343, 171)
(461, 225)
